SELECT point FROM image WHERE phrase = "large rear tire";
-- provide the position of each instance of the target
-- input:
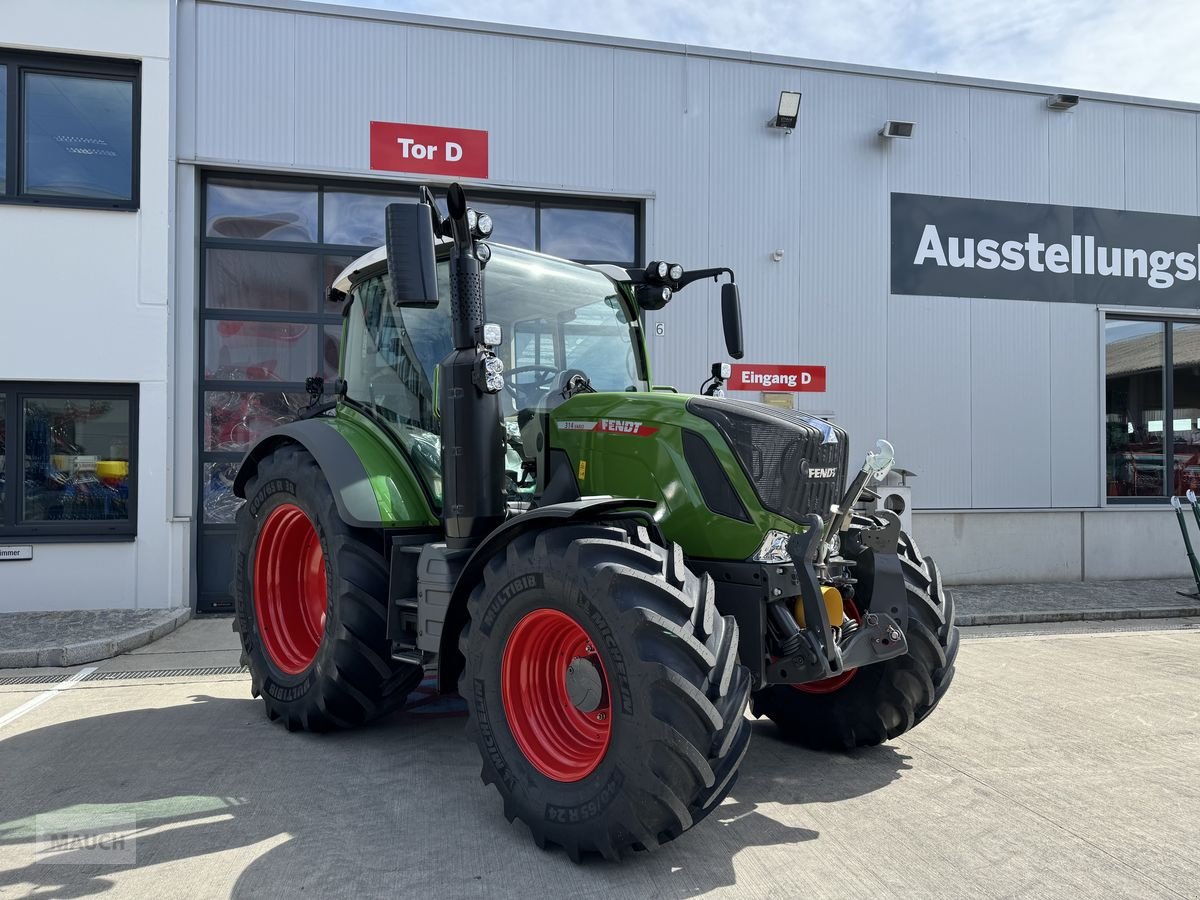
(309, 597)
(884, 700)
(602, 689)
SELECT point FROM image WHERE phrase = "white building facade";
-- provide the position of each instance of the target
(1048, 405)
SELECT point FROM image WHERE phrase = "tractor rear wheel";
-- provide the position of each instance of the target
(875, 703)
(602, 688)
(309, 603)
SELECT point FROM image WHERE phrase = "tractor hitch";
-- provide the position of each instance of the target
(812, 652)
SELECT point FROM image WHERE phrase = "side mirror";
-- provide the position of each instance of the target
(412, 265)
(731, 319)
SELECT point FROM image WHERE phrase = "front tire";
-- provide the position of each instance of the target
(884, 700)
(602, 689)
(309, 599)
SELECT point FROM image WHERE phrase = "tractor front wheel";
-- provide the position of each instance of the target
(602, 688)
(875, 703)
(309, 594)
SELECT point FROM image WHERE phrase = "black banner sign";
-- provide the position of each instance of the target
(955, 247)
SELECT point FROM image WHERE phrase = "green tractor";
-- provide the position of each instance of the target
(606, 571)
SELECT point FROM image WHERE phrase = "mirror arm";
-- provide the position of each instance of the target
(698, 274)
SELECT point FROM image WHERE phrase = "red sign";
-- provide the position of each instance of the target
(429, 150)
(753, 377)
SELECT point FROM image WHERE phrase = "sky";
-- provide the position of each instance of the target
(1134, 47)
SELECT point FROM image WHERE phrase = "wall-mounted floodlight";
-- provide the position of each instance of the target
(1062, 101)
(788, 113)
(894, 128)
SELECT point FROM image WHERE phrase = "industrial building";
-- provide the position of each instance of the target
(1002, 279)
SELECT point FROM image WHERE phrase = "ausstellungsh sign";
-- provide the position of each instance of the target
(958, 247)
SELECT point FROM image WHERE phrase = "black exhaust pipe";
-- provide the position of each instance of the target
(473, 502)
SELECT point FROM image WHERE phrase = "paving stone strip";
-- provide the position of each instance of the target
(74, 637)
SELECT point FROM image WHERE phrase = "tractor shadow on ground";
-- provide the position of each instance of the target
(395, 809)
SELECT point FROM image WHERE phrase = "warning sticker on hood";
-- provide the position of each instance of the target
(612, 426)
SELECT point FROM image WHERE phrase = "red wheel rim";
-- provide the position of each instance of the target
(562, 741)
(839, 681)
(291, 594)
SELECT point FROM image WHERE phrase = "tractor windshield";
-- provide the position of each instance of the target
(560, 319)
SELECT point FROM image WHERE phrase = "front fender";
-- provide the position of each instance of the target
(589, 508)
(356, 501)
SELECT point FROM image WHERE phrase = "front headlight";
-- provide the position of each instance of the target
(773, 548)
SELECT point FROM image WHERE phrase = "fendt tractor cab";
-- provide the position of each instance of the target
(606, 572)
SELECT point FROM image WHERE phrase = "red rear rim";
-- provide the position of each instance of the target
(290, 591)
(562, 741)
(839, 681)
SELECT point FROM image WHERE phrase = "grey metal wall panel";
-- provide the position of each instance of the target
(347, 73)
(563, 119)
(671, 161)
(1009, 135)
(1160, 160)
(1087, 155)
(937, 159)
(844, 248)
(245, 85)
(1075, 431)
(1010, 404)
(485, 62)
(929, 397)
(750, 169)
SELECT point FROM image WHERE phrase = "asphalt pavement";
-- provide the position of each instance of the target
(1062, 764)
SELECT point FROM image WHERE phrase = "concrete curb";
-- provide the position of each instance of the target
(91, 651)
(1077, 615)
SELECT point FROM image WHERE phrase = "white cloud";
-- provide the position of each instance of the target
(1123, 46)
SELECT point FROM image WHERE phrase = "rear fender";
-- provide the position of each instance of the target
(450, 661)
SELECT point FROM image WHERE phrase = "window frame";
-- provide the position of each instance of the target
(96, 531)
(20, 63)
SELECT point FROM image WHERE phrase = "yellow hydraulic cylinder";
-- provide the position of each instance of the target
(833, 606)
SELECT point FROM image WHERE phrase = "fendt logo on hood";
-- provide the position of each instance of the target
(827, 472)
(612, 426)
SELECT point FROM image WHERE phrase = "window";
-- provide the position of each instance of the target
(1152, 408)
(70, 126)
(68, 460)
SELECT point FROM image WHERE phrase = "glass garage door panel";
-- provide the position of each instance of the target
(1135, 408)
(235, 420)
(590, 234)
(260, 351)
(260, 211)
(261, 281)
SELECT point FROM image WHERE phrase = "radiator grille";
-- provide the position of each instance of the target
(785, 454)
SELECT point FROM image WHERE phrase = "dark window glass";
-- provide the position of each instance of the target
(594, 235)
(3, 454)
(233, 420)
(251, 210)
(357, 219)
(78, 137)
(512, 224)
(77, 459)
(254, 279)
(259, 351)
(1185, 405)
(220, 503)
(1135, 406)
(3, 127)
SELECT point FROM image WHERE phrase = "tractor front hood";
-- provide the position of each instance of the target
(723, 472)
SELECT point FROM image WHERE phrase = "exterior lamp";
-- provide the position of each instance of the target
(893, 128)
(1062, 101)
(788, 113)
